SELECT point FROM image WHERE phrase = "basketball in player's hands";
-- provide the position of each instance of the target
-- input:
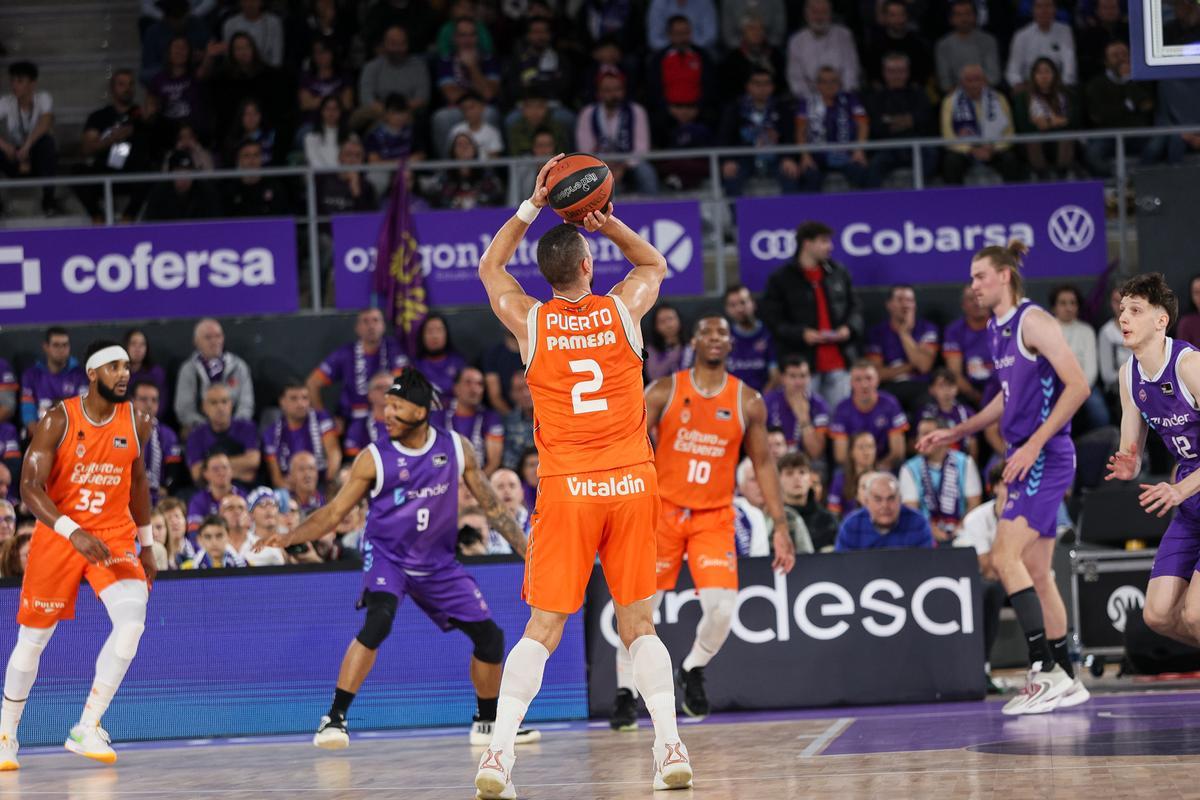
(579, 184)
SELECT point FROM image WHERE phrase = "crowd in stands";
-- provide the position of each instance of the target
(845, 403)
(339, 84)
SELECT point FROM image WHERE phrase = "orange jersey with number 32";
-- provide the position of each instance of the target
(584, 371)
(93, 468)
(699, 439)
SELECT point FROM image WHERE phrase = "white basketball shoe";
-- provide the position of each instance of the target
(1043, 692)
(672, 766)
(493, 781)
(91, 741)
(8, 754)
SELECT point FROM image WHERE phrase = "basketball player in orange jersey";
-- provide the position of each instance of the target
(699, 419)
(597, 491)
(85, 481)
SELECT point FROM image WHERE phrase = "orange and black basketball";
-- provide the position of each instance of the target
(579, 185)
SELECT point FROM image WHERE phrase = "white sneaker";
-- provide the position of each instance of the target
(493, 781)
(8, 754)
(331, 734)
(1077, 695)
(1042, 693)
(481, 734)
(672, 767)
(91, 741)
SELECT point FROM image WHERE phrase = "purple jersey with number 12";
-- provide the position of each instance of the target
(1169, 408)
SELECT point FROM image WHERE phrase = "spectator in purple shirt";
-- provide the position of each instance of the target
(142, 367)
(436, 357)
(56, 376)
(217, 474)
(752, 359)
(221, 433)
(300, 429)
(161, 454)
(179, 87)
(944, 407)
(797, 411)
(904, 348)
(322, 79)
(302, 483)
(353, 365)
(968, 349)
(832, 116)
(394, 137)
(666, 351)
(467, 69)
(480, 426)
(869, 409)
(527, 469)
(9, 389)
(363, 430)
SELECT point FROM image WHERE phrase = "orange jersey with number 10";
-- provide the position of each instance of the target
(93, 468)
(699, 439)
(585, 374)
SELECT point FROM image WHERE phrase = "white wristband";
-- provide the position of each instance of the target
(146, 535)
(528, 212)
(64, 526)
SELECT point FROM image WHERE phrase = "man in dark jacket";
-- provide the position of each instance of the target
(184, 197)
(811, 309)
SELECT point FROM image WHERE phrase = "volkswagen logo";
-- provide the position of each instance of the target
(1121, 603)
(773, 245)
(1071, 228)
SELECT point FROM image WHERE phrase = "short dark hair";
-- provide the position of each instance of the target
(794, 460)
(559, 253)
(942, 374)
(864, 363)
(671, 20)
(98, 345)
(213, 521)
(995, 475)
(208, 457)
(775, 429)
(1153, 288)
(1066, 288)
(897, 287)
(55, 330)
(242, 145)
(139, 383)
(809, 230)
(732, 290)
(759, 71)
(792, 360)
(470, 96)
(23, 69)
(289, 385)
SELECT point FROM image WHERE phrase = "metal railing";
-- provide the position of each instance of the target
(712, 196)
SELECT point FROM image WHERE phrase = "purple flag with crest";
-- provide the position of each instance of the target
(400, 288)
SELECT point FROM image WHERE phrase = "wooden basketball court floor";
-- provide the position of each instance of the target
(1130, 745)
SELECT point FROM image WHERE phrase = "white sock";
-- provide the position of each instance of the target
(713, 629)
(625, 670)
(652, 673)
(21, 673)
(520, 684)
(126, 605)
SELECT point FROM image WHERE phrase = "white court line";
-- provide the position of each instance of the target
(829, 734)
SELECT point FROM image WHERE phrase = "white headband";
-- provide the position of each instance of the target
(107, 356)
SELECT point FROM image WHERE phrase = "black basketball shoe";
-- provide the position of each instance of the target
(695, 701)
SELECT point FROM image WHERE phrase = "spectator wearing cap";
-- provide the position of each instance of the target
(161, 454)
(821, 43)
(217, 475)
(486, 136)
(884, 522)
(184, 197)
(395, 70)
(235, 510)
(27, 147)
(613, 125)
(221, 433)
(262, 26)
(209, 364)
(254, 195)
(701, 14)
(300, 429)
(466, 69)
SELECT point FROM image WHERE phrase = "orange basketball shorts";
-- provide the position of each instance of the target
(608, 512)
(56, 568)
(707, 538)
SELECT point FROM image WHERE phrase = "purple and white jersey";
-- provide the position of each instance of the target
(752, 356)
(41, 388)
(412, 519)
(1168, 407)
(1031, 386)
(283, 441)
(442, 372)
(10, 441)
(884, 343)
(361, 432)
(975, 346)
(780, 414)
(884, 418)
(161, 451)
(475, 428)
(352, 366)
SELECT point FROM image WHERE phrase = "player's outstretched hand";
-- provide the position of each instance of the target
(596, 220)
(274, 540)
(149, 564)
(934, 439)
(91, 548)
(1123, 466)
(541, 195)
(785, 549)
(1020, 462)
(1159, 498)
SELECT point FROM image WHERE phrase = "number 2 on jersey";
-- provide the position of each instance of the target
(1183, 446)
(587, 366)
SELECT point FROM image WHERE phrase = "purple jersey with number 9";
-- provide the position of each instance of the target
(1031, 386)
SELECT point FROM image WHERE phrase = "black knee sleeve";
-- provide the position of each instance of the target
(487, 638)
(381, 612)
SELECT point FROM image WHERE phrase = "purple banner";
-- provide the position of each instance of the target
(148, 271)
(929, 236)
(451, 242)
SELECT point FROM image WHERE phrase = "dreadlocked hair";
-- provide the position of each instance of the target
(412, 385)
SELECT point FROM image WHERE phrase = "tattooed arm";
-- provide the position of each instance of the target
(499, 518)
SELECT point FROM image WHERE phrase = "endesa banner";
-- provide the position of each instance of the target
(892, 626)
(451, 243)
(929, 236)
(141, 271)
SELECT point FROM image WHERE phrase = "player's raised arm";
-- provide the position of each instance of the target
(39, 461)
(639, 290)
(499, 518)
(1126, 463)
(326, 518)
(139, 497)
(755, 443)
(507, 298)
